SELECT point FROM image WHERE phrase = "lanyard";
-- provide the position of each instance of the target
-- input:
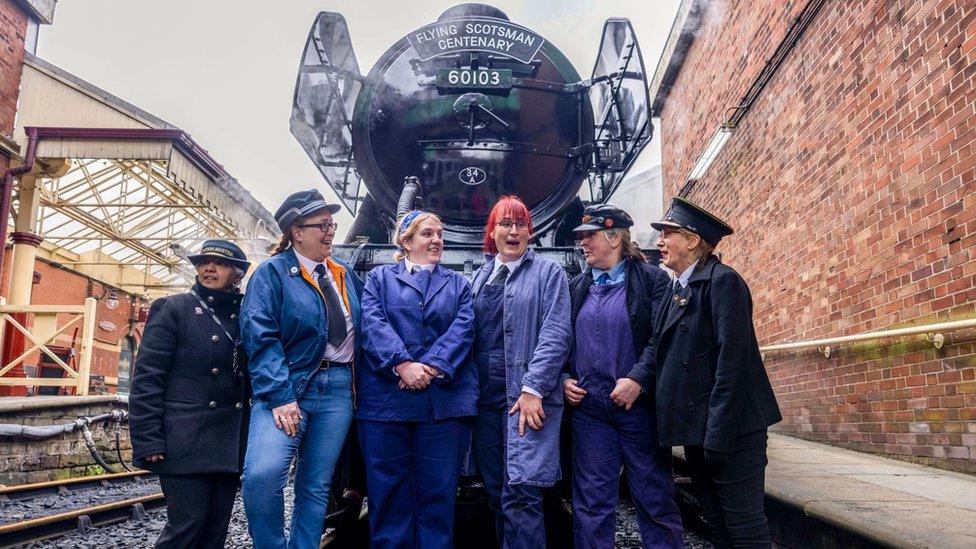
(235, 342)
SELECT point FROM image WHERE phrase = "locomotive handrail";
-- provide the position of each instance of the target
(932, 331)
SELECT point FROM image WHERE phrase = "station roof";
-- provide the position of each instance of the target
(119, 187)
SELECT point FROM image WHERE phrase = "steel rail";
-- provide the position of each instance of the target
(824, 344)
(51, 526)
(37, 489)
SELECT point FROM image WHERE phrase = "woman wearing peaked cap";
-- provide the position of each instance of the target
(614, 304)
(299, 324)
(522, 335)
(712, 393)
(189, 402)
(417, 390)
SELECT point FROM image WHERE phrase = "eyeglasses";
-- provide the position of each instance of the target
(508, 223)
(324, 226)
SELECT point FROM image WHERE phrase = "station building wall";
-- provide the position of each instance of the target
(13, 30)
(851, 186)
(61, 286)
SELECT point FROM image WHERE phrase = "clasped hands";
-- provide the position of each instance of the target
(415, 375)
(624, 394)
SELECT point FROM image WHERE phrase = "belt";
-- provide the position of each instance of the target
(326, 364)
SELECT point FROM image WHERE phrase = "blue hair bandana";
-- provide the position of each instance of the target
(407, 220)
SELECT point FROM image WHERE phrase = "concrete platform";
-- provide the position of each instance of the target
(881, 501)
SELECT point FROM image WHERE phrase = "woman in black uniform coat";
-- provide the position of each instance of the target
(188, 409)
(712, 393)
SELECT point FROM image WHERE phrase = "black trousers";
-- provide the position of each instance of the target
(732, 498)
(198, 509)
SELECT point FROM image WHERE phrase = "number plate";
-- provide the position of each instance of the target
(467, 79)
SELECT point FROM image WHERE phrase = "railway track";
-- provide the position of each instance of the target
(57, 524)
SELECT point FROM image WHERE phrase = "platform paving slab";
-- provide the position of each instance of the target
(890, 502)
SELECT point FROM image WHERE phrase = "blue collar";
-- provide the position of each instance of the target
(617, 273)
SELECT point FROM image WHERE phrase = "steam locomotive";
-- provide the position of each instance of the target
(469, 108)
(457, 113)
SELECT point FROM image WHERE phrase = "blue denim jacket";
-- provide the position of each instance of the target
(538, 338)
(284, 326)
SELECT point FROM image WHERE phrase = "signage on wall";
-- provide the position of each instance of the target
(108, 326)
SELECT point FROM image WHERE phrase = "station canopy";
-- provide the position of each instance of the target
(119, 189)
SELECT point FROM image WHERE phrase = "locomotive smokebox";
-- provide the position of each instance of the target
(476, 107)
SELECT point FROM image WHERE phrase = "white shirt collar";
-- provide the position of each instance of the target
(512, 265)
(410, 265)
(308, 264)
(683, 279)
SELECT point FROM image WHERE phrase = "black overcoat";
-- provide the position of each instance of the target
(711, 385)
(187, 402)
(646, 286)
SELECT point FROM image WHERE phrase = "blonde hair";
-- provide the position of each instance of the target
(630, 248)
(401, 237)
(703, 249)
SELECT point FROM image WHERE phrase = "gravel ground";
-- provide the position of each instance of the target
(16, 511)
(628, 536)
(143, 534)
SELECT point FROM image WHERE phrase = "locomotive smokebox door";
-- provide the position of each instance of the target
(476, 107)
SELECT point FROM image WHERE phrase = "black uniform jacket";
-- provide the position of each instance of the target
(187, 402)
(646, 286)
(711, 385)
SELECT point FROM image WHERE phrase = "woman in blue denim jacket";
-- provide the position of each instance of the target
(522, 341)
(299, 326)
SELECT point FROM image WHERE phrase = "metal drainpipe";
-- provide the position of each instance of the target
(7, 188)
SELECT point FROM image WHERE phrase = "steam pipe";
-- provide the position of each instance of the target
(7, 187)
(408, 196)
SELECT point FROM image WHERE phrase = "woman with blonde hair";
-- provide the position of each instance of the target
(417, 390)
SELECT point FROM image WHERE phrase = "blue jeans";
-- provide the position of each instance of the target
(326, 414)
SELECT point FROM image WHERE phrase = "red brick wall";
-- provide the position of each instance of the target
(851, 188)
(13, 27)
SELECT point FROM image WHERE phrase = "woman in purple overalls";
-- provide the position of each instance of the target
(522, 335)
(614, 304)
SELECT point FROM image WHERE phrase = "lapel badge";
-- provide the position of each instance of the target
(680, 300)
(294, 270)
(198, 310)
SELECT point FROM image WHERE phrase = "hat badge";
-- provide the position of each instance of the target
(608, 222)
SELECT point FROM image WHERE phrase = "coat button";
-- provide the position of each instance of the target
(212, 405)
(214, 338)
(233, 316)
(684, 366)
(421, 303)
(239, 406)
(209, 299)
(691, 406)
(215, 371)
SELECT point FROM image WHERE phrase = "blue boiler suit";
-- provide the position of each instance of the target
(518, 507)
(604, 434)
(413, 441)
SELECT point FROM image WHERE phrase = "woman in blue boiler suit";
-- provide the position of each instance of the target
(417, 390)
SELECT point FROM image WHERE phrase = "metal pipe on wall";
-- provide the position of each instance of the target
(7, 188)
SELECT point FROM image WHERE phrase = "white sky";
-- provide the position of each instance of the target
(224, 71)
